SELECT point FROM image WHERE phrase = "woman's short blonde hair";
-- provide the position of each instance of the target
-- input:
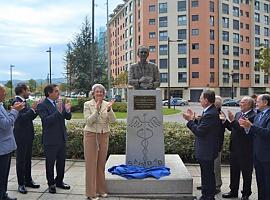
(100, 86)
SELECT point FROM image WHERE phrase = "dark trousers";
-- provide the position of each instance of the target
(4, 171)
(55, 154)
(241, 164)
(263, 179)
(23, 161)
(207, 179)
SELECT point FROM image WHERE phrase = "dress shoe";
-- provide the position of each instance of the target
(52, 189)
(217, 191)
(103, 195)
(229, 195)
(244, 197)
(8, 198)
(63, 186)
(199, 188)
(22, 189)
(32, 184)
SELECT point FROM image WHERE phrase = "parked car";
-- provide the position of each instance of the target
(175, 102)
(231, 102)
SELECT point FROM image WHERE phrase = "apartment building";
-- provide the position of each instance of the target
(212, 44)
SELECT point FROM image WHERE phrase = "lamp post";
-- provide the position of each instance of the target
(232, 92)
(11, 84)
(50, 64)
(168, 77)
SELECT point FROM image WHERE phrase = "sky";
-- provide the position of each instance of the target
(29, 27)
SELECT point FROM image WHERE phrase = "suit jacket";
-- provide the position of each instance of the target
(97, 122)
(53, 123)
(23, 128)
(261, 137)
(206, 132)
(7, 140)
(240, 142)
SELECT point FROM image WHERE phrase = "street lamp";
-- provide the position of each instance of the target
(11, 84)
(232, 89)
(50, 64)
(169, 79)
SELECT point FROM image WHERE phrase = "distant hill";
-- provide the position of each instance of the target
(39, 81)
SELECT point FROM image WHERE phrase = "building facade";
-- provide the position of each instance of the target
(210, 44)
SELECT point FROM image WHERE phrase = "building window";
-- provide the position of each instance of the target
(244, 91)
(195, 46)
(236, 51)
(235, 24)
(182, 20)
(266, 8)
(181, 6)
(236, 38)
(225, 36)
(257, 78)
(182, 34)
(195, 74)
(195, 17)
(225, 22)
(247, 26)
(212, 49)
(152, 48)
(194, 3)
(152, 8)
(266, 31)
(266, 81)
(163, 77)
(225, 49)
(266, 20)
(195, 32)
(212, 34)
(211, 6)
(152, 21)
(163, 22)
(182, 48)
(182, 63)
(225, 63)
(247, 76)
(163, 50)
(225, 8)
(163, 35)
(182, 77)
(212, 21)
(235, 11)
(163, 63)
(236, 1)
(195, 61)
(212, 77)
(226, 77)
(257, 5)
(257, 42)
(257, 17)
(236, 64)
(212, 63)
(163, 7)
(152, 34)
(257, 29)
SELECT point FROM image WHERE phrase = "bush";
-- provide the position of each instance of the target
(119, 107)
(177, 140)
(78, 107)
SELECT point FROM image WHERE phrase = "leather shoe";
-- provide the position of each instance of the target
(217, 191)
(52, 189)
(8, 198)
(22, 189)
(32, 184)
(229, 195)
(199, 188)
(244, 197)
(63, 186)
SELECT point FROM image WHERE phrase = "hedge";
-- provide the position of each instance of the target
(177, 139)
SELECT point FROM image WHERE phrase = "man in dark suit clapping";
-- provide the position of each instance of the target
(241, 148)
(54, 135)
(24, 135)
(206, 131)
(260, 130)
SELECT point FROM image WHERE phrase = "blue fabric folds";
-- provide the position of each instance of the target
(135, 172)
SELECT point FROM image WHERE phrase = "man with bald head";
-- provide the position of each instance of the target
(260, 131)
(7, 141)
(143, 75)
(241, 160)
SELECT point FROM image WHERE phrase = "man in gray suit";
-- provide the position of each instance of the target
(7, 141)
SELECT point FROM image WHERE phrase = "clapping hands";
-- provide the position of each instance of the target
(18, 106)
(189, 115)
(109, 106)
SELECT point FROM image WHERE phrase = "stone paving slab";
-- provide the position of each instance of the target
(75, 174)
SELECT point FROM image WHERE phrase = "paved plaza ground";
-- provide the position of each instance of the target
(74, 176)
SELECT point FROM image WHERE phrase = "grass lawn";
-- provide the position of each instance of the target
(123, 115)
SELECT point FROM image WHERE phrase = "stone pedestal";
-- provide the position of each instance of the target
(179, 185)
(145, 140)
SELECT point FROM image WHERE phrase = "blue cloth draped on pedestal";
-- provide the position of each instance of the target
(135, 172)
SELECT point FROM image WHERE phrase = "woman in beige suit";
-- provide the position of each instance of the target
(97, 114)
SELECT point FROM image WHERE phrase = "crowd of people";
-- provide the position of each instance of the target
(249, 144)
(17, 133)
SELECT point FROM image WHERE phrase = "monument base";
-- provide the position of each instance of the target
(178, 185)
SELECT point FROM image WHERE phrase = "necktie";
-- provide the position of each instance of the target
(54, 103)
(261, 116)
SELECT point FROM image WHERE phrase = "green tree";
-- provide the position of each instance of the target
(32, 85)
(264, 62)
(8, 84)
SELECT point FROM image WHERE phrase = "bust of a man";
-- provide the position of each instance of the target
(143, 75)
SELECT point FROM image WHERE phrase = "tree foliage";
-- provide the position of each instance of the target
(32, 85)
(264, 62)
(121, 80)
